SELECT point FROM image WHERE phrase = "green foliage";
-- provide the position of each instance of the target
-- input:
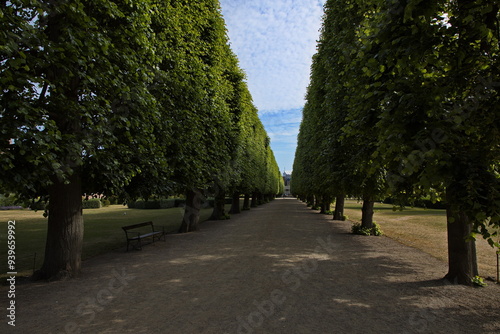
(478, 281)
(8, 201)
(331, 160)
(155, 128)
(155, 203)
(404, 101)
(71, 105)
(133, 98)
(92, 203)
(358, 229)
(39, 204)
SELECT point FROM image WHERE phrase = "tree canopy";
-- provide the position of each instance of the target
(143, 98)
(404, 102)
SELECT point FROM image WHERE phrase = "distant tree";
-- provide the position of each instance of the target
(207, 105)
(191, 91)
(339, 143)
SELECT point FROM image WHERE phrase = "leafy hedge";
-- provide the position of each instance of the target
(167, 203)
(156, 203)
(357, 228)
(421, 203)
(93, 203)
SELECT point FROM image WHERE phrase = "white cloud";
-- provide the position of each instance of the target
(275, 41)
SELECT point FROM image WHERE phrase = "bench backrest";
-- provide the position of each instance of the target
(130, 227)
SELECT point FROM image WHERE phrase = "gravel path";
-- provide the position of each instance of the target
(279, 268)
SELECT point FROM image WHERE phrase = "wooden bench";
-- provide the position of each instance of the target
(135, 233)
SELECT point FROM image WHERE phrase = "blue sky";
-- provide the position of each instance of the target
(275, 41)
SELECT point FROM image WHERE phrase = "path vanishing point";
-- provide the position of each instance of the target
(278, 268)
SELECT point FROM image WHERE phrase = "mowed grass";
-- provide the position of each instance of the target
(424, 229)
(102, 232)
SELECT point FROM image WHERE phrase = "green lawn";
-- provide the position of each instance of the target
(424, 229)
(102, 231)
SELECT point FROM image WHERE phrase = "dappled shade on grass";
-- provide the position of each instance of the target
(102, 232)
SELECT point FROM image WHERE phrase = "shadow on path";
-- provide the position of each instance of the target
(279, 268)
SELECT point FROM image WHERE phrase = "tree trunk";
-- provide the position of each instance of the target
(317, 202)
(219, 211)
(339, 208)
(255, 198)
(190, 221)
(63, 249)
(260, 199)
(235, 203)
(325, 204)
(367, 210)
(266, 198)
(246, 202)
(462, 260)
(310, 200)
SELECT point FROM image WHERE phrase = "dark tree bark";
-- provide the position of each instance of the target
(219, 211)
(63, 249)
(235, 203)
(462, 260)
(367, 210)
(255, 200)
(266, 198)
(190, 221)
(246, 202)
(339, 208)
(326, 202)
(310, 200)
(260, 199)
(317, 202)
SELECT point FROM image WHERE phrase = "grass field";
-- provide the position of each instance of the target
(102, 232)
(424, 229)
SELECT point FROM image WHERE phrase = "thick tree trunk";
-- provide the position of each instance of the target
(219, 211)
(190, 221)
(339, 208)
(462, 260)
(246, 202)
(367, 210)
(63, 249)
(235, 203)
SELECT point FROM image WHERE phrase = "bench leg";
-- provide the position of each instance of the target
(160, 235)
(137, 244)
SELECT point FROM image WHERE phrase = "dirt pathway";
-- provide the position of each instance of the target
(280, 268)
